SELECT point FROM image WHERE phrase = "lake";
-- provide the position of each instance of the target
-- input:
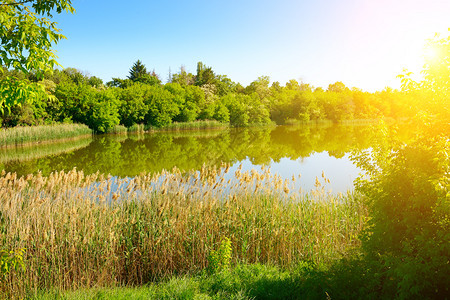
(308, 151)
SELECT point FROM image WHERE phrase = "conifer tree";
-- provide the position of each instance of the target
(137, 71)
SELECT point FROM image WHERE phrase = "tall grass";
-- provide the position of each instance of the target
(310, 122)
(200, 124)
(23, 135)
(84, 230)
(118, 129)
(23, 153)
(137, 128)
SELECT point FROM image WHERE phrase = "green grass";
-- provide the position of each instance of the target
(244, 281)
(137, 128)
(118, 129)
(200, 124)
(28, 152)
(24, 135)
(180, 126)
(311, 122)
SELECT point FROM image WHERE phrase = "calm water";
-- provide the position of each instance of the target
(289, 151)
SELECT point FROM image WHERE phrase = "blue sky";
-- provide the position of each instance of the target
(363, 43)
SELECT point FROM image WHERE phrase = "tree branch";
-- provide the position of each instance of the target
(16, 3)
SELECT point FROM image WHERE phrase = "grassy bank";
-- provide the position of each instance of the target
(176, 126)
(255, 281)
(32, 134)
(79, 234)
(23, 153)
(201, 124)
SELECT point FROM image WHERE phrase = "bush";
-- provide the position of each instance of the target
(99, 109)
(104, 113)
(408, 235)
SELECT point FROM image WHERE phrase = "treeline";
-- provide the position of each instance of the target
(68, 95)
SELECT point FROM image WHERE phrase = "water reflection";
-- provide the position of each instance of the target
(287, 150)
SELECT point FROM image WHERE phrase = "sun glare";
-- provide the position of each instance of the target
(430, 53)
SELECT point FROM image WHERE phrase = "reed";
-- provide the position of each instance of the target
(95, 230)
(199, 124)
(23, 135)
(23, 153)
(137, 128)
(118, 129)
(296, 122)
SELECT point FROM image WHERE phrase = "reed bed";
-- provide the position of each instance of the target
(138, 128)
(23, 135)
(200, 124)
(118, 129)
(23, 153)
(96, 230)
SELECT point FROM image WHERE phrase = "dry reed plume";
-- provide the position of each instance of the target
(84, 230)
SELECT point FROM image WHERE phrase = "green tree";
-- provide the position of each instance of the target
(95, 81)
(27, 36)
(205, 75)
(132, 107)
(138, 73)
(183, 78)
(137, 70)
(121, 83)
(162, 107)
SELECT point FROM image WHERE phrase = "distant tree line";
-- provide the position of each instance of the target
(142, 98)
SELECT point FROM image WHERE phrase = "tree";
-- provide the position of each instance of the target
(137, 70)
(138, 73)
(183, 78)
(205, 75)
(27, 35)
(337, 87)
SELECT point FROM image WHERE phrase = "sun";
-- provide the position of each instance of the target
(431, 53)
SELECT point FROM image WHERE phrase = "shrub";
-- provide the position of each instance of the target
(219, 260)
(407, 190)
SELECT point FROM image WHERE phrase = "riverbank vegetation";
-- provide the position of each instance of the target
(143, 100)
(41, 133)
(24, 153)
(82, 230)
(252, 237)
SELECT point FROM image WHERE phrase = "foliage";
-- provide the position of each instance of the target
(407, 190)
(183, 78)
(139, 73)
(71, 96)
(219, 259)
(132, 109)
(407, 187)
(205, 75)
(11, 260)
(27, 35)
(162, 106)
(99, 109)
(104, 115)
(137, 70)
